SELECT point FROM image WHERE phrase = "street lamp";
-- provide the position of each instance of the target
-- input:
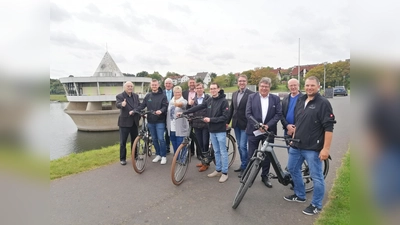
(324, 77)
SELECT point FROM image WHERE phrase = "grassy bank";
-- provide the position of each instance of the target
(337, 211)
(79, 162)
(59, 98)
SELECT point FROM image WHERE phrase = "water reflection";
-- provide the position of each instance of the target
(66, 139)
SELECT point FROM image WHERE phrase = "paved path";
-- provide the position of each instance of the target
(115, 194)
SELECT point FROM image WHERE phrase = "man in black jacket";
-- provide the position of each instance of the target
(314, 120)
(156, 101)
(239, 121)
(288, 105)
(127, 121)
(217, 114)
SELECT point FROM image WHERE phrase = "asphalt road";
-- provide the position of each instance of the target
(115, 194)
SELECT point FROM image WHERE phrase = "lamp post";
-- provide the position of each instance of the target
(324, 77)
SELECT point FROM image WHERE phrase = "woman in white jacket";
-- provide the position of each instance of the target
(177, 128)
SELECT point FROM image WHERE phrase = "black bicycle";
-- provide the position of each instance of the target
(209, 156)
(141, 148)
(267, 150)
(182, 157)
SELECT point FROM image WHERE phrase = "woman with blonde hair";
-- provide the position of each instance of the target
(177, 128)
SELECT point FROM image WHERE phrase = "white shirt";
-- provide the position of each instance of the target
(200, 99)
(264, 107)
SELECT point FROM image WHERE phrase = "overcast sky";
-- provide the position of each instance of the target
(190, 36)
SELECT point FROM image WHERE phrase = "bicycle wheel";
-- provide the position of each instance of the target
(140, 149)
(231, 148)
(305, 171)
(246, 182)
(180, 164)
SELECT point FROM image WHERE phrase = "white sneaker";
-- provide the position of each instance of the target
(157, 158)
(214, 174)
(223, 178)
(163, 160)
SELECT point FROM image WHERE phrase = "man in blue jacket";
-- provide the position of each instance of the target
(266, 109)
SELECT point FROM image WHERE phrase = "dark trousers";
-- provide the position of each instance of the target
(203, 137)
(253, 142)
(124, 132)
(167, 139)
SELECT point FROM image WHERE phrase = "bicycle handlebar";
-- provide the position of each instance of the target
(180, 116)
(271, 134)
(143, 113)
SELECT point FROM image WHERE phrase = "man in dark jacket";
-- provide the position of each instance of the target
(266, 109)
(217, 115)
(288, 105)
(127, 121)
(239, 121)
(156, 101)
(170, 94)
(314, 122)
(189, 95)
(200, 127)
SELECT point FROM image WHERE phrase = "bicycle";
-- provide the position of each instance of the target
(141, 148)
(254, 166)
(182, 157)
(180, 162)
(231, 147)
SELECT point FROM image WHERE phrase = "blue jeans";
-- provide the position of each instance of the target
(296, 158)
(175, 140)
(241, 138)
(218, 141)
(157, 135)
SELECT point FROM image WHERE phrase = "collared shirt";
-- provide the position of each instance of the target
(169, 94)
(264, 106)
(200, 99)
(240, 95)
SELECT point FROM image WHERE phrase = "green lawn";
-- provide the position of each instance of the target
(60, 98)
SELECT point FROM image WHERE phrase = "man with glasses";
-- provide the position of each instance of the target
(266, 109)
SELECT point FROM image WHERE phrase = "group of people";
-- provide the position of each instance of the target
(308, 117)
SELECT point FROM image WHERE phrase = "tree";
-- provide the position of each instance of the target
(261, 72)
(248, 73)
(184, 86)
(199, 80)
(171, 74)
(213, 75)
(156, 75)
(56, 88)
(129, 74)
(142, 74)
(337, 74)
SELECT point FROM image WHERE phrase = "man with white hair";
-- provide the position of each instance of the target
(128, 122)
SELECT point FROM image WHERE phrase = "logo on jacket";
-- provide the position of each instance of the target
(149, 100)
(311, 106)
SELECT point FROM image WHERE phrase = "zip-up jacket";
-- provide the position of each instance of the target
(217, 111)
(155, 101)
(312, 121)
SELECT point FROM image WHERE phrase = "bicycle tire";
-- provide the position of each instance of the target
(231, 148)
(139, 162)
(246, 182)
(180, 164)
(305, 173)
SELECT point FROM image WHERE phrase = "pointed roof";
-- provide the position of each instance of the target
(107, 67)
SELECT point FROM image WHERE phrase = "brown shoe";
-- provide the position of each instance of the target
(199, 164)
(203, 168)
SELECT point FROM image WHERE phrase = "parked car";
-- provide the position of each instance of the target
(339, 90)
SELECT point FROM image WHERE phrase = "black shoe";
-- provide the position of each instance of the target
(311, 210)
(294, 198)
(238, 169)
(241, 173)
(123, 162)
(168, 151)
(266, 181)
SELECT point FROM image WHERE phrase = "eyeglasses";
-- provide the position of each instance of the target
(213, 88)
(262, 86)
